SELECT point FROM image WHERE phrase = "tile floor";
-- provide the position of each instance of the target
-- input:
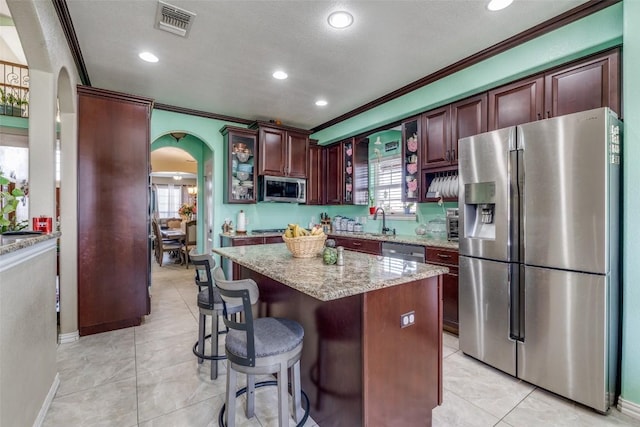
(146, 376)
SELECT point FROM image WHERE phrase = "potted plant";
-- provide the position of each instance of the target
(10, 104)
(372, 203)
(8, 204)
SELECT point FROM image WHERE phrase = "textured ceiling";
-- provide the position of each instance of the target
(225, 64)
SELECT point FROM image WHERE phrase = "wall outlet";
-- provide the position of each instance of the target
(407, 319)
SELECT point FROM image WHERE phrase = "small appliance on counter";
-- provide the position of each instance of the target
(452, 224)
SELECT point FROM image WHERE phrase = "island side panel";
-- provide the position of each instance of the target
(402, 366)
(331, 363)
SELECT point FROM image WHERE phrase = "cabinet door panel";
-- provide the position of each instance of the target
(272, 152)
(516, 103)
(591, 84)
(450, 300)
(468, 118)
(315, 175)
(436, 138)
(297, 155)
(333, 169)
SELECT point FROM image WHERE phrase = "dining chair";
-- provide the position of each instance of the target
(190, 242)
(162, 245)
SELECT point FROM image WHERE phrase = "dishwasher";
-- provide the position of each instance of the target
(404, 251)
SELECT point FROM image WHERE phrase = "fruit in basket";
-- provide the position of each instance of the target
(294, 230)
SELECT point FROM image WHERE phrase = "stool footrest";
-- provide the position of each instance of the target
(206, 356)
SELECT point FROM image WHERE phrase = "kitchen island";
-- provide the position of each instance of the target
(360, 364)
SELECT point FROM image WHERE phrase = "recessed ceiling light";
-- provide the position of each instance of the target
(498, 4)
(321, 102)
(280, 75)
(148, 56)
(340, 19)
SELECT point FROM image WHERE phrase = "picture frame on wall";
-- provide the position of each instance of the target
(390, 146)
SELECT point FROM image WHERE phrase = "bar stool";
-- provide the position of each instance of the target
(209, 304)
(266, 345)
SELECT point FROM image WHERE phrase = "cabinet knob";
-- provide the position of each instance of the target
(539, 116)
(548, 114)
(453, 154)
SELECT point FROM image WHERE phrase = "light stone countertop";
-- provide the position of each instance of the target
(360, 273)
(399, 238)
(25, 241)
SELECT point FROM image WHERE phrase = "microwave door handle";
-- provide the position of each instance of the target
(299, 191)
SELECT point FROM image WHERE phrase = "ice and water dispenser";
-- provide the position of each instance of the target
(479, 210)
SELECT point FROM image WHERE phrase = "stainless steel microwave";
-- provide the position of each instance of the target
(281, 189)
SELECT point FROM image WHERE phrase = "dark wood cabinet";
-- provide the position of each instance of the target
(373, 247)
(315, 174)
(468, 118)
(442, 127)
(333, 175)
(516, 103)
(282, 151)
(359, 172)
(448, 258)
(436, 138)
(113, 216)
(589, 84)
(239, 178)
(582, 85)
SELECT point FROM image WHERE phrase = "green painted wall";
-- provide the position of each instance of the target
(631, 208)
(591, 34)
(205, 132)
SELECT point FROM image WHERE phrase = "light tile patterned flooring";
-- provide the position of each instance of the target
(147, 376)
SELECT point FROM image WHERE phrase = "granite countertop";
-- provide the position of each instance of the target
(399, 238)
(25, 241)
(360, 273)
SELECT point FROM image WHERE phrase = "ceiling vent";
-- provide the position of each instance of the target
(174, 19)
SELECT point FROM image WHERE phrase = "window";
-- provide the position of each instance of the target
(387, 173)
(169, 200)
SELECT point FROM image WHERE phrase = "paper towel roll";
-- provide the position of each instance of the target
(241, 224)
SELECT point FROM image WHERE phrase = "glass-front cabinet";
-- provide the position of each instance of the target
(240, 184)
(347, 151)
(411, 160)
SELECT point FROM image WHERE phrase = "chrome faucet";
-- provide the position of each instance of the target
(385, 230)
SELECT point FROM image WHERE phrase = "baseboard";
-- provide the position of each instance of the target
(628, 408)
(47, 402)
(68, 337)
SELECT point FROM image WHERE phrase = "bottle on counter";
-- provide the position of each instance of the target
(340, 260)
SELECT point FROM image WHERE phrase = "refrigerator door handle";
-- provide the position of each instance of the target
(516, 326)
(514, 208)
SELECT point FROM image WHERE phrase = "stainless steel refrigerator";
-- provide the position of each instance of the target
(539, 270)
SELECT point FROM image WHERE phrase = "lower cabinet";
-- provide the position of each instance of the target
(448, 258)
(373, 247)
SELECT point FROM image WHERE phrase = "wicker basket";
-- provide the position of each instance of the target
(305, 246)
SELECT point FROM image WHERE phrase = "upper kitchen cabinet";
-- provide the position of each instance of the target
(346, 172)
(436, 138)
(516, 103)
(468, 118)
(333, 175)
(113, 218)
(315, 174)
(442, 127)
(283, 151)
(579, 86)
(411, 138)
(239, 180)
(589, 84)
